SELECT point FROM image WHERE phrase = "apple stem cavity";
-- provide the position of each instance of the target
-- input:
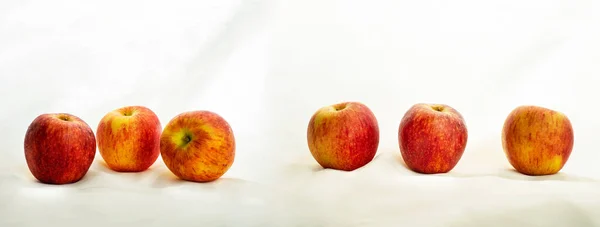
(340, 107)
(438, 108)
(64, 118)
(186, 139)
(128, 113)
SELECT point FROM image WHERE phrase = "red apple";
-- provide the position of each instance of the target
(129, 138)
(537, 140)
(59, 148)
(432, 138)
(344, 136)
(198, 146)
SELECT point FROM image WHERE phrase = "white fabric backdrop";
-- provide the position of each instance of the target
(266, 66)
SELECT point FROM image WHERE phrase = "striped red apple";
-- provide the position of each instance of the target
(537, 140)
(432, 138)
(198, 146)
(129, 138)
(59, 148)
(343, 136)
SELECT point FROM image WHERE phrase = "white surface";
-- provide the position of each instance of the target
(266, 66)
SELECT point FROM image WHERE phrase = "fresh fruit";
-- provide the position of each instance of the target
(198, 146)
(537, 140)
(59, 148)
(343, 136)
(432, 138)
(129, 138)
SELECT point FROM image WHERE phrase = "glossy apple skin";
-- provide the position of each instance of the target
(537, 140)
(432, 138)
(129, 138)
(59, 148)
(344, 136)
(198, 146)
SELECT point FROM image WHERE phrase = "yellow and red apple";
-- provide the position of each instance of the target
(537, 140)
(129, 138)
(198, 146)
(343, 136)
(59, 148)
(432, 138)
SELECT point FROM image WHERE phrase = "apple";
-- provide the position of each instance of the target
(59, 148)
(198, 146)
(129, 138)
(537, 140)
(343, 136)
(432, 138)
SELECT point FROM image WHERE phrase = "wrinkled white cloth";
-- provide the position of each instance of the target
(266, 66)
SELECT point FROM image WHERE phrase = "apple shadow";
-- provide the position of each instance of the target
(400, 160)
(166, 179)
(511, 174)
(104, 167)
(82, 183)
(399, 164)
(317, 168)
(507, 173)
(22, 173)
(88, 177)
(130, 176)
